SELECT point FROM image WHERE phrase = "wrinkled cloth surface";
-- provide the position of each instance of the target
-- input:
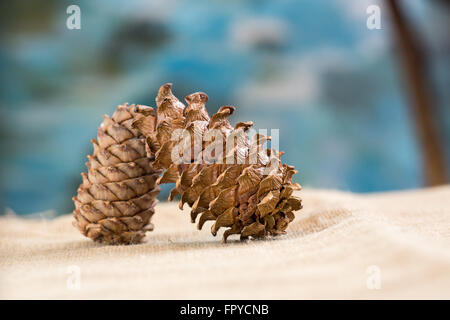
(340, 246)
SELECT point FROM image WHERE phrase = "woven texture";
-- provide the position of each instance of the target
(331, 250)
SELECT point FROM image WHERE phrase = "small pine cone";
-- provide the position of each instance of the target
(252, 196)
(116, 199)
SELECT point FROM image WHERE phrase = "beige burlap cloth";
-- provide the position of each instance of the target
(341, 245)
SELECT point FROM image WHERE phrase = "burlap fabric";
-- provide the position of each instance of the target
(341, 245)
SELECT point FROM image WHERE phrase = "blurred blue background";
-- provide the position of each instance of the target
(311, 68)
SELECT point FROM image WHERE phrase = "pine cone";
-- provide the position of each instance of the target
(116, 199)
(251, 198)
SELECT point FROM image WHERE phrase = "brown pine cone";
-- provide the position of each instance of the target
(116, 199)
(252, 196)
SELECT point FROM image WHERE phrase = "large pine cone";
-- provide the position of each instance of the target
(116, 199)
(251, 198)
